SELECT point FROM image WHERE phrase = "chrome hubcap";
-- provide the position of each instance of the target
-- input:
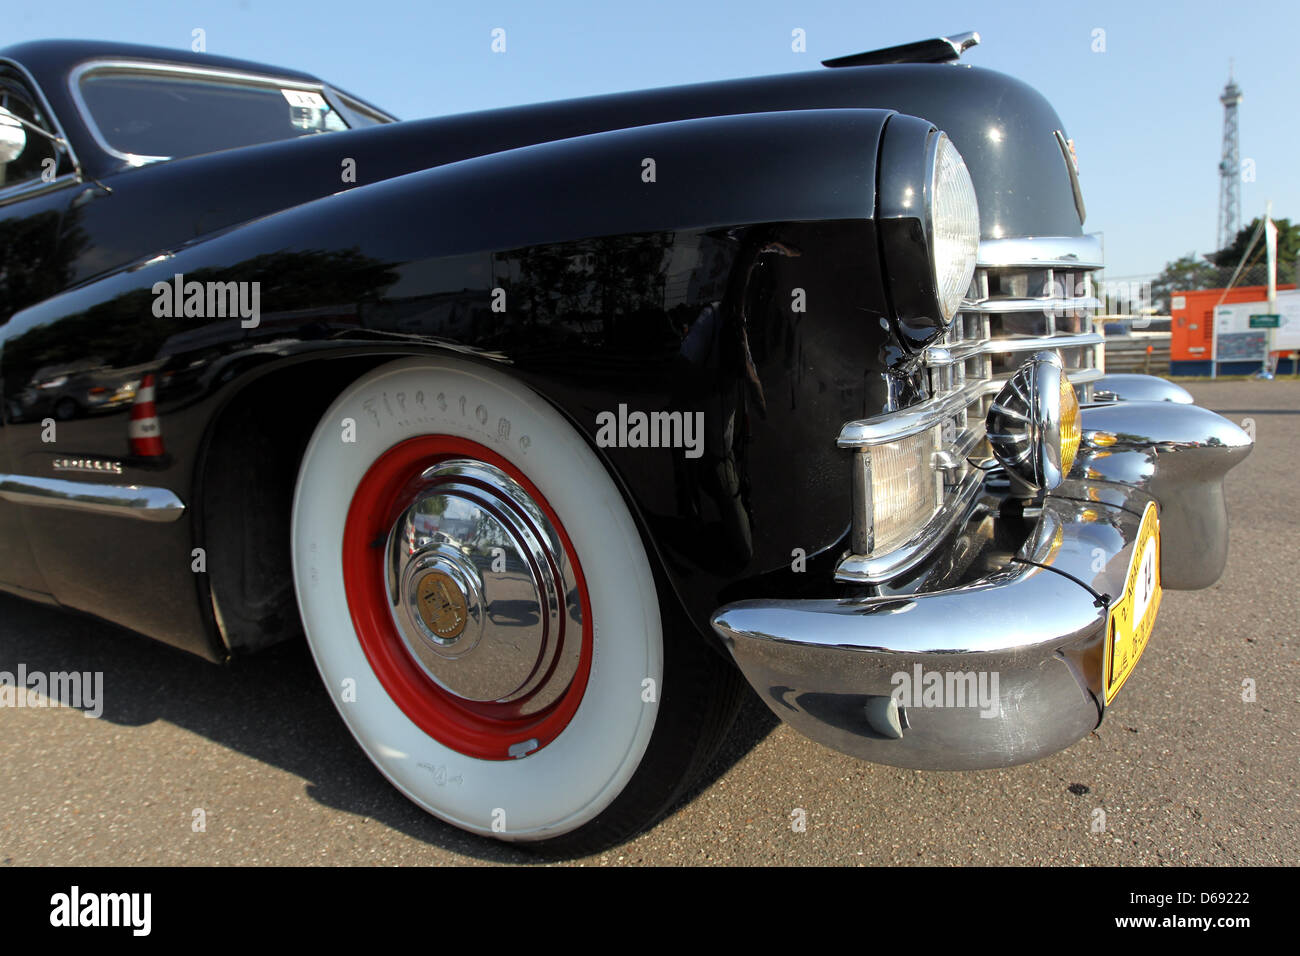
(481, 590)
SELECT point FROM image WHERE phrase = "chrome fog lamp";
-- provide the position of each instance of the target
(1033, 424)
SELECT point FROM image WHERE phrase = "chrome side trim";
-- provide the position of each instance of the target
(95, 466)
(1083, 252)
(124, 501)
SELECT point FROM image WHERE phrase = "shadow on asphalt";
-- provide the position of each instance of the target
(271, 707)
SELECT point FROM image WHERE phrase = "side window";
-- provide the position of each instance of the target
(31, 163)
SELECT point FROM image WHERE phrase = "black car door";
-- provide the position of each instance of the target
(36, 187)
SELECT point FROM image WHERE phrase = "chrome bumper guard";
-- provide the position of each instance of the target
(1015, 658)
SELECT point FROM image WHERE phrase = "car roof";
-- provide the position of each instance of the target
(50, 60)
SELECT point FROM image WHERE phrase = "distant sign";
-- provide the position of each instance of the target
(1241, 317)
(1241, 347)
(1265, 321)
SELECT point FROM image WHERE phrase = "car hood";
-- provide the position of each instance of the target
(1005, 130)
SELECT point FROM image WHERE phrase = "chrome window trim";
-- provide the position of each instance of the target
(29, 189)
(125, 501)
(337, 97)
(49, 112)
(173, 69)
(1082, 252)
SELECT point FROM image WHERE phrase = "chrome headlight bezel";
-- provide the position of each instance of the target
(928, 222)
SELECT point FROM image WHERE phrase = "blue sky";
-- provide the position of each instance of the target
(1144, 113)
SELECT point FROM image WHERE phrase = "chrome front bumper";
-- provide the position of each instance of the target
(1017, 653)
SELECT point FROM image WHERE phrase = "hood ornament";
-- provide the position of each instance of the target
(939, 50)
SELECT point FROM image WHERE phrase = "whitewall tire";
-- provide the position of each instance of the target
(608, 669)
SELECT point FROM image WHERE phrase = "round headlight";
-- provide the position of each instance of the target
(1033, 424)
(928, 226)
(954, 225)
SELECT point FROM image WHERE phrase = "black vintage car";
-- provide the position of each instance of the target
(551, 426)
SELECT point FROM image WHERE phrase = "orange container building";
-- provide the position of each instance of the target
(1191, 329)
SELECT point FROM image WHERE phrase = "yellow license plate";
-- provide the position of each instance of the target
(1134, 615)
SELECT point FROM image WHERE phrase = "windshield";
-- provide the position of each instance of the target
(160, 115)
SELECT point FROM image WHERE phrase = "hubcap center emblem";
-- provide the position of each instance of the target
(441, 605)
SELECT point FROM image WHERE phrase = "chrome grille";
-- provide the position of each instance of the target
(1011, 313)
(1027, 295)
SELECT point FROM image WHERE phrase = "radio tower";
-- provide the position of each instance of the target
(1230, 166)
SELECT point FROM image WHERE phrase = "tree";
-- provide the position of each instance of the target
(1288, 248)
(1183, 274)
(1215, 270)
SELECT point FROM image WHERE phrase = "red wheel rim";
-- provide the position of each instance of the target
(486, 730)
